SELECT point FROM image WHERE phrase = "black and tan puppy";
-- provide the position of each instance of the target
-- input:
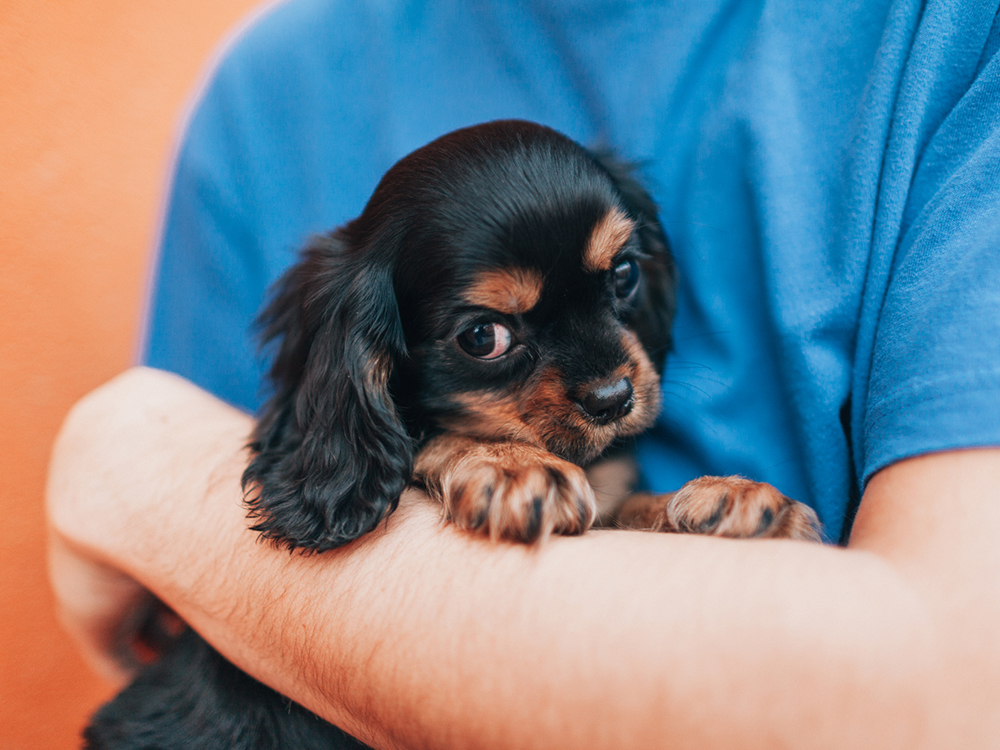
(492, 326)
(496, 319)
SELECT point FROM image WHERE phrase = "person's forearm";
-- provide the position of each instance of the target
(614, 640)
(424, 636)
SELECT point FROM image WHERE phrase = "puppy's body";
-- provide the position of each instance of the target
(495, 321)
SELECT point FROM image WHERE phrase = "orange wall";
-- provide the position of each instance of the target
(90, 94)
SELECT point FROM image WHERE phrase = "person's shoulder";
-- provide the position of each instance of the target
(278, 72)
(292, 35)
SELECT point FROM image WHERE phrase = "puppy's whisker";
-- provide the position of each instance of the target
(681, 384)
(702, 377)
(674, 364)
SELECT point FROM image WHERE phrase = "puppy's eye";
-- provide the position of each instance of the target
(626, 277)
(485, 341)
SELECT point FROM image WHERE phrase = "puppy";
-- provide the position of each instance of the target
(496, 319)
(493, 326)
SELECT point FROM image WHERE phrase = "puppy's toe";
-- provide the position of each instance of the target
(723, 506)
(517, 492)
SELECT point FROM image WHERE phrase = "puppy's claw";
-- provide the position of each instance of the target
(723, 506)
(515, 491)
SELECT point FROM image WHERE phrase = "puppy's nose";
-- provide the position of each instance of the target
(607, 402)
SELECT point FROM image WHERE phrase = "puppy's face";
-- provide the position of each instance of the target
(502, 283)
(534, 338)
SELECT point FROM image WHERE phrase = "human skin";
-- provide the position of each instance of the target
(420, 635)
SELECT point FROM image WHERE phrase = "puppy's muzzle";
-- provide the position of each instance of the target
(607, 401)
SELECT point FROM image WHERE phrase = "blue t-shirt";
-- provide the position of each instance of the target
(828, 175)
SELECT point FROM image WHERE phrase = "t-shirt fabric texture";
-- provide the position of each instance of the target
(828, 176)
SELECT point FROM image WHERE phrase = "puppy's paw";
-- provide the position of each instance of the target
(511, 491)
(723, 506)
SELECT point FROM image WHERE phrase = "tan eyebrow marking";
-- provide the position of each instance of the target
(507, 290)
(607, 238)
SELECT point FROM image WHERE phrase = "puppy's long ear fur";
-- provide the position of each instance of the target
(332, 454)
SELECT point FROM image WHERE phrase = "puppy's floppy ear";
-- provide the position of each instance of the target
(332, 454)
(653, 321)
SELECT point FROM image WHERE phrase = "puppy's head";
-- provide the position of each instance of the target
(502, 282)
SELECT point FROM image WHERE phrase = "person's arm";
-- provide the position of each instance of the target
(423, 636)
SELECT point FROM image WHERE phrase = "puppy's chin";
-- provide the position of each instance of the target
(585, 446)
(580, 452)
(579, 449)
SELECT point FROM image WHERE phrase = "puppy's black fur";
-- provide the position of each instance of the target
(366, 370)
(193, 699)
(506, 237)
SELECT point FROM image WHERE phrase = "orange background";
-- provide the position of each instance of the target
(90, 98)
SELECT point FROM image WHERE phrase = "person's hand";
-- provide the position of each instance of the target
(103, 501)
(104, 609)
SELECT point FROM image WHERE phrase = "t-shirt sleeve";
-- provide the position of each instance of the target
(935, 369)
(209, 279)
(270, 157)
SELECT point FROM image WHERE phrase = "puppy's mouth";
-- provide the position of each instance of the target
(619, 406)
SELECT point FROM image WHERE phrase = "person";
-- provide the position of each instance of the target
(827, 177)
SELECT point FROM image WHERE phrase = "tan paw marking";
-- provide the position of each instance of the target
(723, 506)
(510, 490)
